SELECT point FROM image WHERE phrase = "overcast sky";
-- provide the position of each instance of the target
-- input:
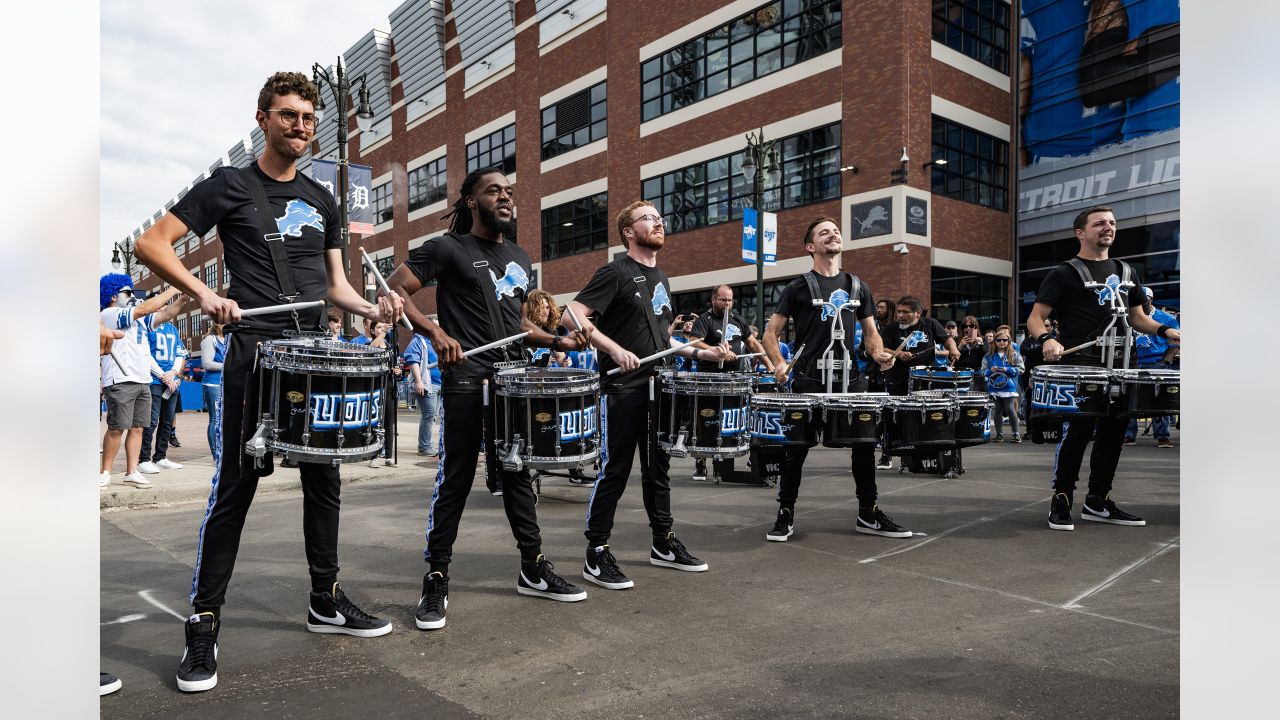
(180, 80)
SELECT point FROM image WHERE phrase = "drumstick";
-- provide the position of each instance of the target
(490, 346)
(250, 312)
(116, 357)
(1082, 346)
(573, 316)
(656, 356)
(404, 319)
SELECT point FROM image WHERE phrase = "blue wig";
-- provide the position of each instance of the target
(111, 284)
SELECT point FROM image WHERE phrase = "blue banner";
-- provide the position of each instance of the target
(750, 227)
(359, 191)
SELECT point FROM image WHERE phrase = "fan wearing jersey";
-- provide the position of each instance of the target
(304, 226)
(1082, 313)
(483, 280)
(213, 351)
(170, 354)
(842, 295)
(630, 301)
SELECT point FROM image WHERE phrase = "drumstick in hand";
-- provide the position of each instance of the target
(1078, 348)
(404, 319)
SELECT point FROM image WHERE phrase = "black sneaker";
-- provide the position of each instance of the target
(875, 522)
(198, 670)
(670, 552)
(885, 463)
(700, 469)
(602, 569)
(782, 526)
(538, 580)
(1103, 509)
(1060, 513)
(331, 612)
(577, 478)
(429, 615)
(108, 683)
(495, 487)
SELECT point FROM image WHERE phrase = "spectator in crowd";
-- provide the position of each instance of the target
(972, 351)
(988, 337)
(375, 334)
(884, 314)
(170, 355)
(126, 372)
(679, 331)
(426, 385)
(541, 309)
(1001, 368)
(1154, 352)
(213, 350)
(335, 326)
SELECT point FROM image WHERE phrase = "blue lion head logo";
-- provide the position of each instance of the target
(838, 299)
(733, 332)
(515, 278)
(1112, 290)
(297, 215)
(916, 338)
(660, 299)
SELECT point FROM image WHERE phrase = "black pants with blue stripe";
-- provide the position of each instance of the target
(627, 426)
(862, 458)
(1107, 434)
(235, 481)
(462, 426)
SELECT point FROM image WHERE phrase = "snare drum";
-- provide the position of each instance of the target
(915, 423)
(704, 415)
(546, 417)
(973, 416)
(784, 419)
(850, 419)
(1062, 392)
(320, 401)
(1147, 393)
(765, 382)
(923, 377)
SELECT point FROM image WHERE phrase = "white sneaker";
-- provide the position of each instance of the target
(135, 479)
(148, 467)
(167, 464)
(104, 479)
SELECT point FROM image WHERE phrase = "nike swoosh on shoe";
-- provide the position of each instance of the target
(337, 618)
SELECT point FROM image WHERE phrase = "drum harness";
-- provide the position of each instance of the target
(512, 460)
(1110, 338)
(827, 363)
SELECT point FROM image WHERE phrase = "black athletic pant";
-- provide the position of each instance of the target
(235, 480)
(1107, 434)
(627, 426)
(862, 459)
(462, 427)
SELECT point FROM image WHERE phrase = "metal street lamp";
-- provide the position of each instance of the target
(340, 87)
(760, 163)
(122, 249)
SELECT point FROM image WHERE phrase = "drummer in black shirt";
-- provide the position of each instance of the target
(631, 301)
(1082, 313)
(813, 327)
(913, 339)
(482, 277)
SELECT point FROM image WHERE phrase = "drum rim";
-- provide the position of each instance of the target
(797, 400)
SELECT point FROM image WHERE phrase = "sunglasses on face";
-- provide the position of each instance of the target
(1002, 340)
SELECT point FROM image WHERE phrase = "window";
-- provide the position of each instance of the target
(382, 200)
(957, 293)
(495, 150)
(226, 274)
(763, 41)
(211, 275)
(428, 184)
(977, 28)
(977, 166)
(386, 265)
(574, 121)
(576, 227)
(714, 191)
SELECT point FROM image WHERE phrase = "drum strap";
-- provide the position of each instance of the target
(626, 265)
(483, 282)
(1126, 272)
(271, 234)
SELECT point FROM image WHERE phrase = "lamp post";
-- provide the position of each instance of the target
(340, 87)
(760, 162)
(122, 249)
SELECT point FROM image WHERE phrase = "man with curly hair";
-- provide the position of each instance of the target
(307, 218)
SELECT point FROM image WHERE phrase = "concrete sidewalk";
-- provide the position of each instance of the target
(192, 482)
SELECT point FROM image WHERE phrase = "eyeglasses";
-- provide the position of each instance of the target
(655, 219)
(966, 327)
(289, 117)
(1002, 340)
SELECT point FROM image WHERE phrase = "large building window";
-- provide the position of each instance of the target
(977, 168)
(211, 275)
(574, 121)
(382, 203)
(428, 184)
(977, 28)
(765, 40)
(957, 293)
(576, 227)
(714, 191)
(495, 150)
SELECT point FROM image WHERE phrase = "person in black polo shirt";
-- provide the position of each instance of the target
(307, 218)
(631, 301)
(483, 283)
(913, 339)
(1082, 313)
(837, 291)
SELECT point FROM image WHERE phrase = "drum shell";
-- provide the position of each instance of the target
(1148, 394)
(973, 419)
(848, 420)
(932, 378)
(1062, 392)
(712, 410)
(555, 412)
(915, 424)
(784, 419)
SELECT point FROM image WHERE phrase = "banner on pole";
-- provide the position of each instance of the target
(359, 191)
(749, 229)
(770, 230)
(752, 224)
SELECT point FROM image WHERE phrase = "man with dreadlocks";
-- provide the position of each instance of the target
(483, 281)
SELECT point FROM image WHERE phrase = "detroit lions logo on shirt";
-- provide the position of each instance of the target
(733, 332)
(837, 300)
(1112, 290)
(660, 299)
(514, 279)
(297, 215)
(916, 338)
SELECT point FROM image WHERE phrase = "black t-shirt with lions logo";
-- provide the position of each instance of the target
(463, 295)
(617, 301)
(1083, 312)
(710, 325)
(813, 324)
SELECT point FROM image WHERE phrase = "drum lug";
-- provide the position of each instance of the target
(678, 449)
(256, 446)
(512, 461)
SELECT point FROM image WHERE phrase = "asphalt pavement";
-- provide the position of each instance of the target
(984, 612)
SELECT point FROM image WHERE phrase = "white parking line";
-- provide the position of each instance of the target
(1074, 602)
(125, 619)
(945, 533)
(146, 595)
